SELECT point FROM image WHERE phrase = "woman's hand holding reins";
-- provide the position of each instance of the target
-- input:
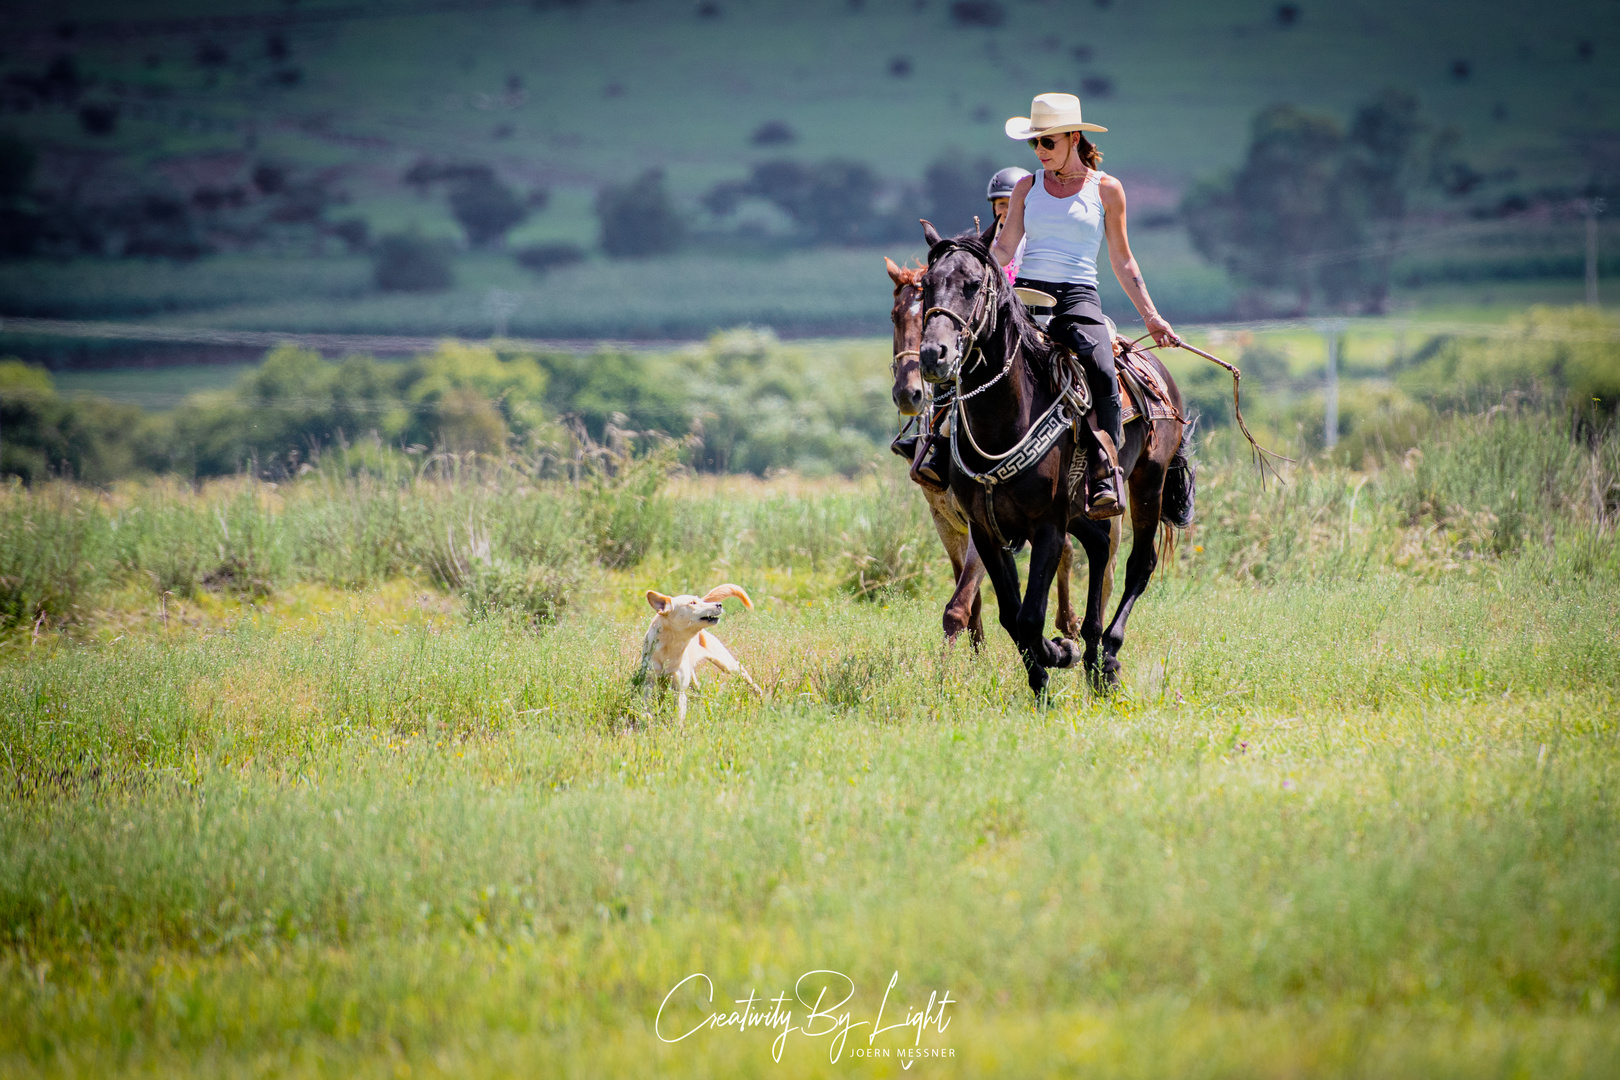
(1160, 329)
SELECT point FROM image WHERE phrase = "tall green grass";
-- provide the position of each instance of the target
(1470, 492)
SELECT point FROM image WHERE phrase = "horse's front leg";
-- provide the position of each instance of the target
(1002, 570)
(1045, 556)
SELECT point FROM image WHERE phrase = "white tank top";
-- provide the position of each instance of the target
(1061, 236)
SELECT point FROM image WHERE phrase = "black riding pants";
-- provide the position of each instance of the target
(1077, 323)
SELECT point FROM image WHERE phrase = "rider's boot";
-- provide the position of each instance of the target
(934, 468)
(1105, 492)
(906, 446)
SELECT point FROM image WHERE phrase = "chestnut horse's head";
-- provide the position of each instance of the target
(906, 315)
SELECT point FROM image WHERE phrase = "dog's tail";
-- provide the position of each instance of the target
(720, 592)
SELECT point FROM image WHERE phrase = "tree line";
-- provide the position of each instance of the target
(743, 401)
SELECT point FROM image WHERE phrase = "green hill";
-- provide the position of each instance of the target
(565, 96)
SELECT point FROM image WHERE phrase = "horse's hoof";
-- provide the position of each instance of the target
(1068, 653)
(1110, 673)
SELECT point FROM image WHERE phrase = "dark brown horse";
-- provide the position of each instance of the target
(962, 611)
(1012, 448)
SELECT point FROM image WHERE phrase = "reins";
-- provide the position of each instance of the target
(1262, 456)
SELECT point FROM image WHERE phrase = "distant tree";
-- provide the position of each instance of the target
(268, 178)
(1268, 220)
(830, 202)
(982, 13)
(98, 118)
(406, 262)
(1319, 211)
(639, 218)
(1097, 87)
(773, 133)
(953, 191)
(486, 208)
(1384, 164)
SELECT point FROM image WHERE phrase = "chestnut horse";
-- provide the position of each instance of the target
(911, 398)
(1012, 448)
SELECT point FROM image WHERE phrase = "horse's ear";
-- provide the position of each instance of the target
(930, 233)
(989, 234)
(894, 271)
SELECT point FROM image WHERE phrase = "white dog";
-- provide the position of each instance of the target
(679, 640)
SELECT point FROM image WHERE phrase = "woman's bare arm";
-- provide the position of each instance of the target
(1124, 263)
(1012, 230)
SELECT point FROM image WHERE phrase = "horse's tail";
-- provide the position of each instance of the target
(1176, 506)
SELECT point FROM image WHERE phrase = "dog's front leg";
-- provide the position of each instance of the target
(683, 679)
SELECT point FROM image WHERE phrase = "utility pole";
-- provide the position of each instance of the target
(500, 304)
(1333, 334)
(1594, 207)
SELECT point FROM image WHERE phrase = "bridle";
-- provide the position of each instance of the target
(969, 330)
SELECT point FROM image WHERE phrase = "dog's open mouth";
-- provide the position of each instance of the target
(711, 619)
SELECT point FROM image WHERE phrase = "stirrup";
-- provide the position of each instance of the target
(931, 467)
(1105, 495)
(1105, 487)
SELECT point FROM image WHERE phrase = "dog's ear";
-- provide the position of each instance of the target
(659, 602)
(720, 592)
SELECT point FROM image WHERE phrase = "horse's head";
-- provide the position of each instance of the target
(906, 315)
(962, 290)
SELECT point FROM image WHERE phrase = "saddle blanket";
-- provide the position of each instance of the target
(1142, 390)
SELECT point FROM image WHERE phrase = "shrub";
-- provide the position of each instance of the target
(405, 262)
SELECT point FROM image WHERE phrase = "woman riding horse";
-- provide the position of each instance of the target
(1060, 214)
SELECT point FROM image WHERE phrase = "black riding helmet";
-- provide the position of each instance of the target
(1002, 184)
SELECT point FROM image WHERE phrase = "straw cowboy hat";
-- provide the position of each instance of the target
(1048, 115)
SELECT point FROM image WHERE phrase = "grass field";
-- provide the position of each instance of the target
(1352, 812)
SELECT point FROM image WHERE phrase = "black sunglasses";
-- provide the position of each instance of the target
(1045, 142)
